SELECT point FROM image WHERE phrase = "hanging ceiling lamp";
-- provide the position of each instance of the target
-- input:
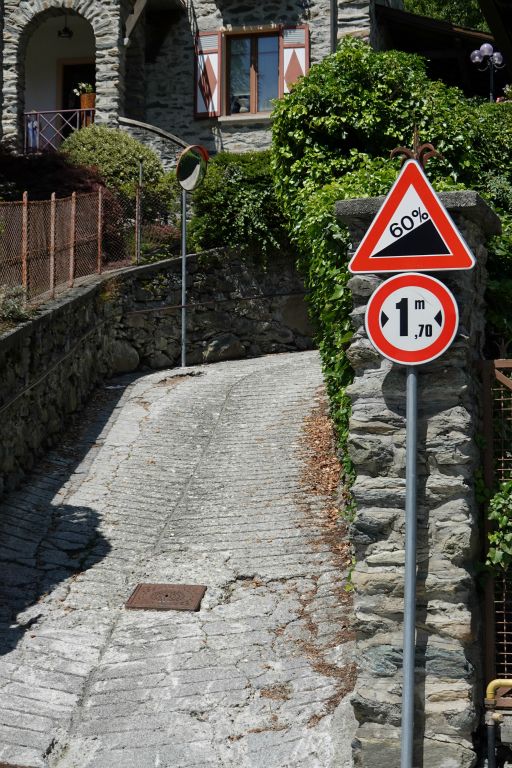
(66, 33)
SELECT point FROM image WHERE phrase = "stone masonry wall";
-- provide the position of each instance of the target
(50, 365)
(170, 77)
(242, 310)
(153, 79)
(448, 645)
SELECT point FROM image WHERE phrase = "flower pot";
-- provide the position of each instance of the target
(87, 100)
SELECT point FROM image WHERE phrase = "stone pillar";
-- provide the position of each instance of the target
(448, 649)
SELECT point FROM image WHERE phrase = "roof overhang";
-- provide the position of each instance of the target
(167, 5)
(446, 47)
(498, 14)
(139, 6)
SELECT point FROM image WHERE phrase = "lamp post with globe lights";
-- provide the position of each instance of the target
(491, 60)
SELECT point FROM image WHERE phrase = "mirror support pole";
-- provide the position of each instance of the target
(183, 278)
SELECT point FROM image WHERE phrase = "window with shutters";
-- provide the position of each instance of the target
(242, 73)
(252, 73)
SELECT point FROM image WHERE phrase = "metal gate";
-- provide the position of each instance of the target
(497, 422)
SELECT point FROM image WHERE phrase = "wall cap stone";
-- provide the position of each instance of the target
(466, 202)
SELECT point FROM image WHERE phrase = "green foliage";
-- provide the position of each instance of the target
(500, 538)
(361, 103)
(464, 13)
(83, 88)
(499, 285)
(161, 199)
(13, 301)
(332, 137)
(159, 241)
(235, 206)
(116, 155)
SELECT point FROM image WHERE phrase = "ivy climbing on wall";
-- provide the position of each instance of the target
(332, 138)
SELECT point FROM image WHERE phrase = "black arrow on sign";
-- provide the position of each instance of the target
(439, 318)
(383, 319)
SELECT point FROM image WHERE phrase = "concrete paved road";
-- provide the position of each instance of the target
(187, 479)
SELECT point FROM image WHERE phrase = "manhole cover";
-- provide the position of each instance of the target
(166, 597)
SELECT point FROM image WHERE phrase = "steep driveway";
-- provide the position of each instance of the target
(190, 479)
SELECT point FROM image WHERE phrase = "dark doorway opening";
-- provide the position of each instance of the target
(72, 73)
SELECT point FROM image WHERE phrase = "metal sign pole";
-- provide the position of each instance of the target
(138, 215)
(183, 278)
(410, 569)
(190, 172)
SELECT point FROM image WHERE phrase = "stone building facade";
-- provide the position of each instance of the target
(205, 70)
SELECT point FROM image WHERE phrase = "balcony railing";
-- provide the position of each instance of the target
(45, 131)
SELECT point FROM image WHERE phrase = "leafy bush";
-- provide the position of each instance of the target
(466, 13)
(332, 137)
(13, 301)
(40, 175)
(500, 538)
(359, 103)
(117, 156)
(159, 241)
(235, 206)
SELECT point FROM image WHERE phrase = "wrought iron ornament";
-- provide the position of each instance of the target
(420, 152)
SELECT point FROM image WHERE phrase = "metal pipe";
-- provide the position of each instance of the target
(153, 129)
(334, 25)
(410, 570)
(492, 718)
(490, 692)
(138, 215)
(183, 278)
(491, 745)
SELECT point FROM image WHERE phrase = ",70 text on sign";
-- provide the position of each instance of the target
(412, 318)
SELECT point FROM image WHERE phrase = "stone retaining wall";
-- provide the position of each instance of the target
(128, 320)
(448, 646)
(242, 311)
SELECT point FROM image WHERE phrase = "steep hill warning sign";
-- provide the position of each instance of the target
(412, 231)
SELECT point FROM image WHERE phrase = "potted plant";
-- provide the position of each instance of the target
(87, 95)
(507, 94)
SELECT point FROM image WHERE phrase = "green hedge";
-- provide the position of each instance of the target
(116, 156)
(331, 140)
(236, 206)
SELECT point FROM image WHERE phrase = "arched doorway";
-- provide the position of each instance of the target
(59, 55)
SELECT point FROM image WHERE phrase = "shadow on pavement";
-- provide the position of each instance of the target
(43, 542)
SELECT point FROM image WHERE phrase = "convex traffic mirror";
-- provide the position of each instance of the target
(191, 168)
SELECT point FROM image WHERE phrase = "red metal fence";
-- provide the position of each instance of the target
(46, 245)
(45, 131)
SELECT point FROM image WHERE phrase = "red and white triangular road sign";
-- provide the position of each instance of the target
(412, 231)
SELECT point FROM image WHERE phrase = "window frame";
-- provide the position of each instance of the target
(254, 37)
(214, 55)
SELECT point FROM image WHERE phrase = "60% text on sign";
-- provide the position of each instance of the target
(407, 222)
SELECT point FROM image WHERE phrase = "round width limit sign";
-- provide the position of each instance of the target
(412, 318)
